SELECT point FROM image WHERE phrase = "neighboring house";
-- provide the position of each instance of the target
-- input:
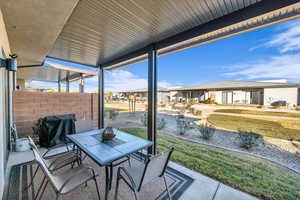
(228, 92)
(242, 92)
(141, 94)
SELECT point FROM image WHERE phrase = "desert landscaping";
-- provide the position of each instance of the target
(278, 129)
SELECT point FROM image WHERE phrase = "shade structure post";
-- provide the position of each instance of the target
(101, 98)
(152, 93)
(68, 82)
(59, 81)
(81, 83)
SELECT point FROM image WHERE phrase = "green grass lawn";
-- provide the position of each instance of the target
(255, 176)
(264, 127)
(258, 112)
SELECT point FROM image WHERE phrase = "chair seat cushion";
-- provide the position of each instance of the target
(78, 175)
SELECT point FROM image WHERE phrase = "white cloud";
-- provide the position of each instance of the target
(284, 66)
(122, 80)
(289, 38)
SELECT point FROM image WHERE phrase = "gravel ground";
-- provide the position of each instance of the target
(282, 151)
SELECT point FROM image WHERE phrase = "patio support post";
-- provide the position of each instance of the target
(68, 82)
(59, 81)
(101, 98)
(81, 83)
(152, 93)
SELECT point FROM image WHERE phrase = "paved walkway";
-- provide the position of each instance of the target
(205, 188)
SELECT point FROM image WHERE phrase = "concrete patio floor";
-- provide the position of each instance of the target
(202, 188)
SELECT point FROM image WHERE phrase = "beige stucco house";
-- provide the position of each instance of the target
(242, 92)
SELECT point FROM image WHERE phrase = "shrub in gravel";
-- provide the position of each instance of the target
(198, 112)
(144, 119)
(248, 140)
(160, 122)
(206, 131)
(183, 125)
(112, 114)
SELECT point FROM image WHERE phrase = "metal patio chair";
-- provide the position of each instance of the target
(138, 175)
(56, 162)
(65, 182)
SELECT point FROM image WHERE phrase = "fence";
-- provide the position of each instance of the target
(28, 107)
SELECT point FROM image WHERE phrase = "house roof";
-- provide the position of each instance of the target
(238, 85)
(117, 33)
(159, 89)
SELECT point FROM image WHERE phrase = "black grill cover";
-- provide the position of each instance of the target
(54, 129)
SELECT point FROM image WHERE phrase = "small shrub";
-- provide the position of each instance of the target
(206, 131)
(112, 114)
(161, 123)
(144, 119)
(277, 106)
(248, 140)
(190, 104)
(209, 101)
(173, 106)
(198, 113)
(182, 125)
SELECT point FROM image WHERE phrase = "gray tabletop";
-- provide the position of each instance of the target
(105, 152)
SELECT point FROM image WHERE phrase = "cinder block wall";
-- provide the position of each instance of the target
(30, 106)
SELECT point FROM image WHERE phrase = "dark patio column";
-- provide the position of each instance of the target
(59, 81)
(152, 93)
(68, 82)
(81, 83)
(101, 98)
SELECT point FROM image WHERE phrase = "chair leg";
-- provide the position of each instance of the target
(167, 188)
(111, 175)
(38, 192)
(97, 188)
(136, 197)
(31, 181)
(44, 189)
(117, 185)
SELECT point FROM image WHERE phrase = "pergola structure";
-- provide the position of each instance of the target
(55, 73)
(108, 34)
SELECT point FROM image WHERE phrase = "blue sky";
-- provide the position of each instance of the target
(269, 53)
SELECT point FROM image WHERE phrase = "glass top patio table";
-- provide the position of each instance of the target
(105, 152)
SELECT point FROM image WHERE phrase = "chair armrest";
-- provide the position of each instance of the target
(53, 148)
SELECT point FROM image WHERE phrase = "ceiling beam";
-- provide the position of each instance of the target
(254, 10)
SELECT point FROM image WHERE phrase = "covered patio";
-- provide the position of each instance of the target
(107, 35)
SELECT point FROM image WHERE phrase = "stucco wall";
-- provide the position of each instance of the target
(241, 97)
(4, 52)
(290, 95)
(218, 95)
